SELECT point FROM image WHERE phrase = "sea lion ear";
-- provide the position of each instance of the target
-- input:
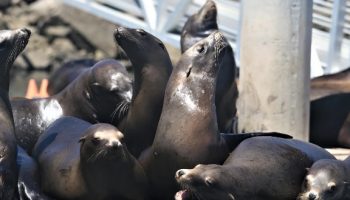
(82, 139)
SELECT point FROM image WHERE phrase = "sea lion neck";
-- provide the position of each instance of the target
(12, 43)
(66, 98)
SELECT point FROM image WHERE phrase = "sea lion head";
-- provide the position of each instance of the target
(205, 56)
(12, 43)
(326, 179)
(207, 182)
(109, 91)
(204, 21)
(102, 142)
(133, 41)
(199, 25)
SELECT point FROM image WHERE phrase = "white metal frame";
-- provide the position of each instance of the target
(330, 51)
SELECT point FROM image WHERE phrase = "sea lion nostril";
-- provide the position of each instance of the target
(179, 173)
(312, 196)
(118, 31)
(25, 30)
(116, 145)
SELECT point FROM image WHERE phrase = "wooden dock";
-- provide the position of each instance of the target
(339, 153)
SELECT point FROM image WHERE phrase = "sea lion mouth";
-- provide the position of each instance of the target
(185, 194)
(220, 46)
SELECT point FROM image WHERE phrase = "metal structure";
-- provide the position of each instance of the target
(164, 18)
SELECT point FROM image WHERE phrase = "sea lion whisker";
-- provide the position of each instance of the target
(95, 155)
(124, 109)
(114, 113)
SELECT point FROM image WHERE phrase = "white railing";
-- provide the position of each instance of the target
(164, 18)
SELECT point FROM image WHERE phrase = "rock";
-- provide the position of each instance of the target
(46, 7)
(63, 45)
(40, 58)
(99, 55)
(80, 21)
(58, 31)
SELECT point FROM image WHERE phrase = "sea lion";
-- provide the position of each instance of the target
(330, 84)
(187, 132)
(327, 179)
(67, 73)
(79, 160)
(259, 168)
(327, 117)
(330, 111)
(12, 44)
(100, 94)
(197, 27)
(152, 68)
(28, 185)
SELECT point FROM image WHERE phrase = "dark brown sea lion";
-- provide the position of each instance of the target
(100, 94)
(79, 160)
(29, 187)
(12, 44)
(330, 110)
(197, 27)
(67, 73)
(327, 117)
(260, 168)
(330, 84)
(152, 68)
(327, 179)
(187, 132)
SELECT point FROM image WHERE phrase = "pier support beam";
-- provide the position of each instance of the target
(275, 66)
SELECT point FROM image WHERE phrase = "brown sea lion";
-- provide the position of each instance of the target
(330, 110)
(28, 186)
(327, 119)
(152, 67)
(199, 26)
(100, 94)
(12, 44)
(67, 73)
(79, 160)
(260, 168)
(327, 179)
(187, 132)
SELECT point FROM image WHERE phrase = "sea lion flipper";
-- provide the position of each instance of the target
(233, 140)
(28, 184)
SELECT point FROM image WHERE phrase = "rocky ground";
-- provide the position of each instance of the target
(54, 40)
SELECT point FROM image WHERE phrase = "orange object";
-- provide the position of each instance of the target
(34, 92)
(43, 88)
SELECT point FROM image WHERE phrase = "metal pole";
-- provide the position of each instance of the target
(336, 36)
(275, 66)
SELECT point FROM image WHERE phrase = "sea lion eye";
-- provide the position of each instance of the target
(162, 45)
(95, 141)
(200, 48)
(141, 32)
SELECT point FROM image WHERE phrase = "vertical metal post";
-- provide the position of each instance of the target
(275, 66)
(174, 17)
(336, 36)
(150, 13)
